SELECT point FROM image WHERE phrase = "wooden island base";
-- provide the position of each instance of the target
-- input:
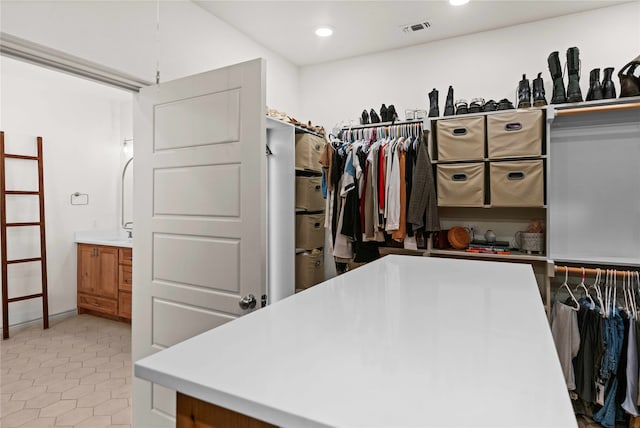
(194, 413)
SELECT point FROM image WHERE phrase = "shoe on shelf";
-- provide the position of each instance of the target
(476, 105)
(539, 99)
(462, 107)
(374, 116)
(434, 110)
(448, 106)
(574, 95)
(392, 116)
(595, 88)
(524, 93)
(490, 105)
(608, 87)
(559, 95)
(505, 104)
(364, 118)
(384, 113)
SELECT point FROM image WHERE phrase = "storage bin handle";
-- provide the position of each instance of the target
(458, 132)
(318, 187)
(461, 176)
(513, 126)
(317, 263)
(515, 175)
(316, 225)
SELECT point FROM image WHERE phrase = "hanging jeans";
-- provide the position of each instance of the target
(613, 337)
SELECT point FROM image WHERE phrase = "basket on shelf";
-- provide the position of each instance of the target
(459, 237)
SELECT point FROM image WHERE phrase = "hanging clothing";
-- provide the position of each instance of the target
(423, 208)
(587, 362)
(401, 232)
(630, 404)
(564, 329)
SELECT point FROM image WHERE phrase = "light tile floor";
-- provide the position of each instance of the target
(75, 374)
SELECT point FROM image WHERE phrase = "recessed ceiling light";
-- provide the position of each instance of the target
(324, 31)
(458, 2)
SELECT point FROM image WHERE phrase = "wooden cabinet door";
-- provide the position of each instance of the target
(107, 282)
(88, 268)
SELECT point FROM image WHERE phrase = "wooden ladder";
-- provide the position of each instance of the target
(3, 231)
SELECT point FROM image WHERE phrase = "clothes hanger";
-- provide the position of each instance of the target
(582, 285)
(596, 287)
(566, 285)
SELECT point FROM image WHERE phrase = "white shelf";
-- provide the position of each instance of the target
(506, 257)
(509, 159)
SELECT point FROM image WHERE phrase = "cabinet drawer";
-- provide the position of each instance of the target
(125, 279)
(461, 185)
(517, 184)
(125, 256)
(460, 138)
(124, 304)
(515, 134)
(108, 306)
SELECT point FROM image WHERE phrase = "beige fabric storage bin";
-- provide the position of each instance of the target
(308, 150)
(309, 231)
(309, 193)
(461, 185)
(514, 134)
(460, 138)
(517, 184)
(309, 269)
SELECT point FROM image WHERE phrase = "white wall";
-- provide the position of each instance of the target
(82, 129)
(487, 65)
(122, 35)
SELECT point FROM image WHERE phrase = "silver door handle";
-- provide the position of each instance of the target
(247, 302)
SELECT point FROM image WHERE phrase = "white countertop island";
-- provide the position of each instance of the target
(401, 342)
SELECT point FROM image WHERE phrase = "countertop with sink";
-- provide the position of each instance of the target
(112, 238)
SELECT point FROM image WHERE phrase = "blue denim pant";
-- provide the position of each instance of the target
(613, 336)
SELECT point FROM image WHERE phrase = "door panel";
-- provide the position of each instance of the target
(193, 321)
(205, 262)
(201, 120)
(200, 213)
(212, 190)
(87, 268)
(107, 284)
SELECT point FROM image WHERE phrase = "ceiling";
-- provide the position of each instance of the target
(363, 27)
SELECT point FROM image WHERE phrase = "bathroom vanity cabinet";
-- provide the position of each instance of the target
(104, 280)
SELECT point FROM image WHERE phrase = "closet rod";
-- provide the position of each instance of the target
(595, 109)
(381, 124)
(590, 271)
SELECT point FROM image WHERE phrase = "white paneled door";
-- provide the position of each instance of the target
(200, 214)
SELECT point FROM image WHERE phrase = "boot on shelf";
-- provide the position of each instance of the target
(374, 116)
(559, 95)
(608, 87)
(595, 89)
(476, 105)
(539, 99)
(392, 116)
(364, 118)
(524, 93)
(434, 110)
(384, 113)
(448, 106)
(574, 95)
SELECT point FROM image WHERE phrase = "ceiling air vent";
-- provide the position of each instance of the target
(412, 28)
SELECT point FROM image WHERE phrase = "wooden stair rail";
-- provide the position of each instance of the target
(596, 109)
(3, 236)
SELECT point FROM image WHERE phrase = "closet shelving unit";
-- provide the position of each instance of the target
(580, 141)
(385, 250)
(593, 185)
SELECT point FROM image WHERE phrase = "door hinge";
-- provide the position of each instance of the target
(264, 301)
(269, 152)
